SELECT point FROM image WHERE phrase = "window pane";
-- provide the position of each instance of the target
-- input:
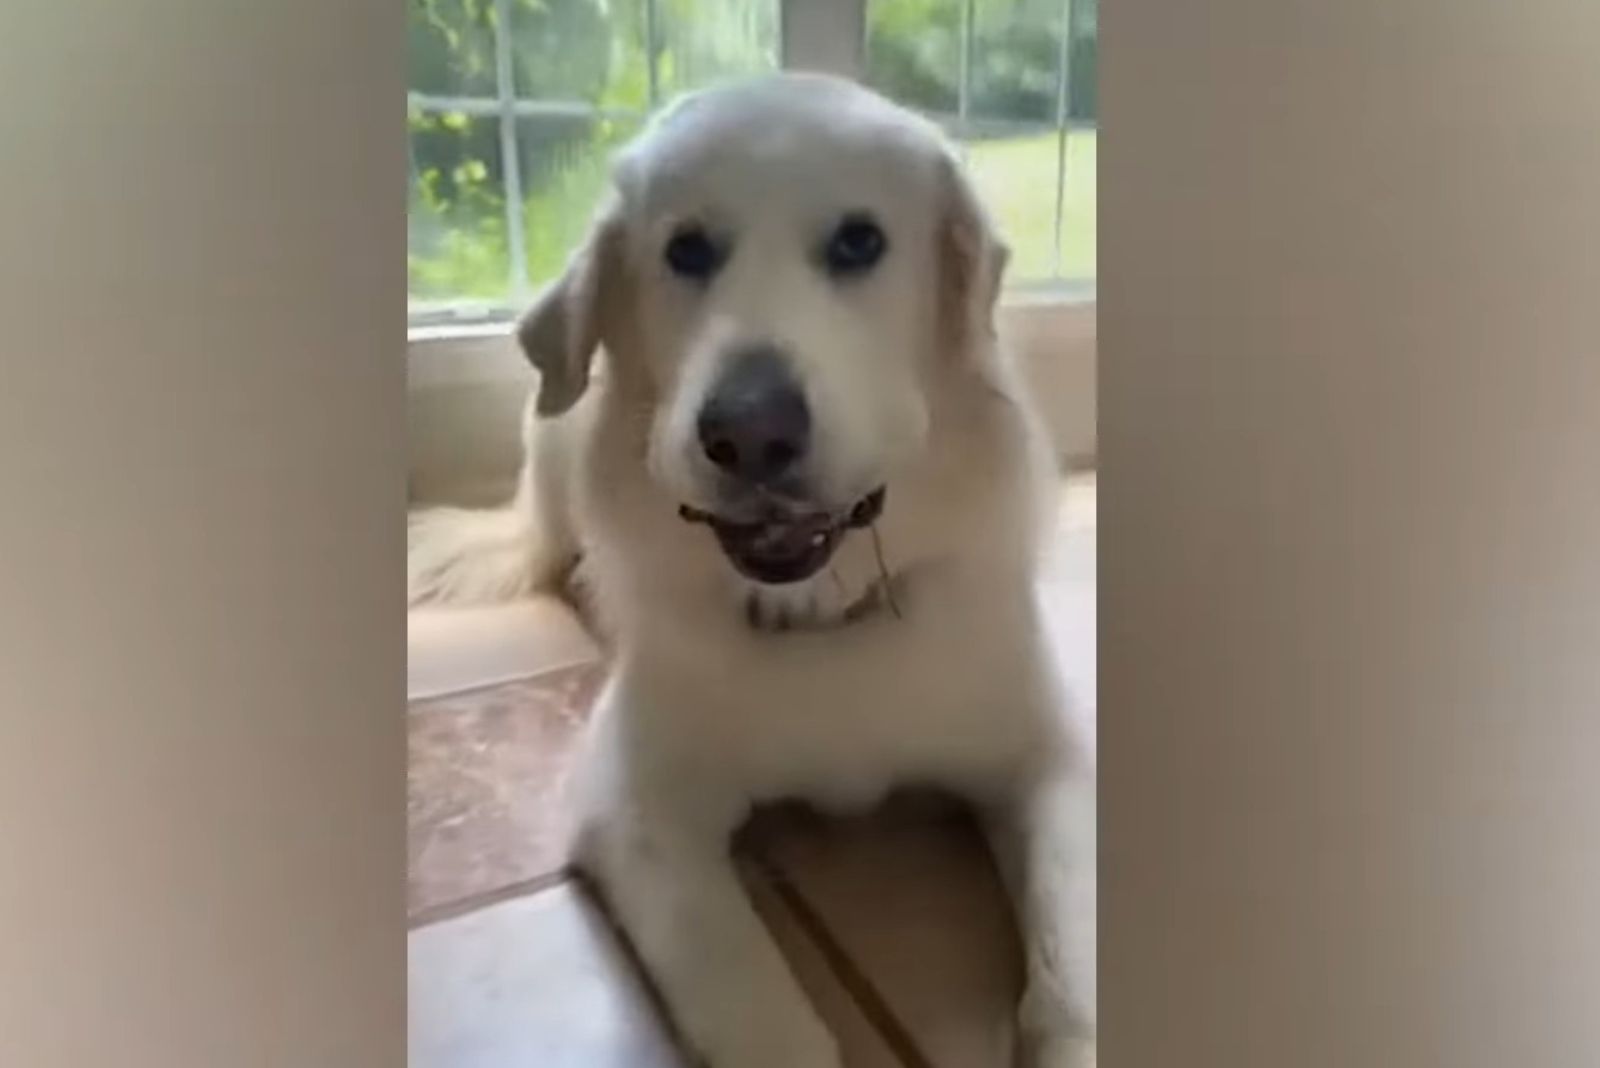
(565, 168)
(1084, 71)
(1016, 177)
(590, 60)
(1011, 135)
(599, 52)
(450, 47)
(1009, 132)
(1078, 228)
(704, 41)
(456, 218)
(1016, 56)
(914, 52)
(581, 50)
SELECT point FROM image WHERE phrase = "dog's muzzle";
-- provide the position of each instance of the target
(785, 546)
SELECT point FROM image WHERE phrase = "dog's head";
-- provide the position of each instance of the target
(780, 270)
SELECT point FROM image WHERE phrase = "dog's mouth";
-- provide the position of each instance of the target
(784, 545)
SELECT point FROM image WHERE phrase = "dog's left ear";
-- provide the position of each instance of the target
(566, 324)
(972, 257)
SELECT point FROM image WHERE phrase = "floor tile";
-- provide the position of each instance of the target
(485, 785)
(533, 982)
(916, 905)
(862, 1043)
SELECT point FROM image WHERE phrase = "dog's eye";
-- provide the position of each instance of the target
(692, 254)
(855, 246)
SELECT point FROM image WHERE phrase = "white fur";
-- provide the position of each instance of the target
(704, 714)
(466, 556)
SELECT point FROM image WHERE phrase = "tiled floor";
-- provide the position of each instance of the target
(894, 923)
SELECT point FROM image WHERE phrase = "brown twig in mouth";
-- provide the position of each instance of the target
(883, 570)
(864, 514)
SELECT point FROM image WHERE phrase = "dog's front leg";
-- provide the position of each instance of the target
(675, 893)
(1044, 839)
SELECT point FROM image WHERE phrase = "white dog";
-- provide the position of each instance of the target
(808, 492)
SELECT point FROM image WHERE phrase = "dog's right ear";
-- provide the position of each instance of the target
(560, 333)
(972, 256)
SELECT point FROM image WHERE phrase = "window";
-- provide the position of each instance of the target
(1014, 82)
(516, 105)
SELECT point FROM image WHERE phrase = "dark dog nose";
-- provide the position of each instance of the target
(756, 425)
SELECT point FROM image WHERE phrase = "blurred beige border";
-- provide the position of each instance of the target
(1349, 534)
(202, 448)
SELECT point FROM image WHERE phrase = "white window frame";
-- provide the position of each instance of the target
(466, 376)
